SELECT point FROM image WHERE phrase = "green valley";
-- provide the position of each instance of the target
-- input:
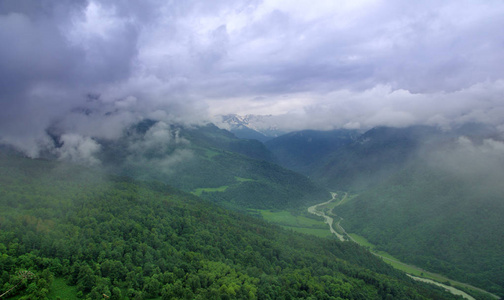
(429, 197)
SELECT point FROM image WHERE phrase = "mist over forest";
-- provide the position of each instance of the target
(251, 149)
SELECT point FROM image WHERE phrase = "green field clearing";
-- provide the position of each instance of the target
(297, 223)
(223, 188)
(60, 289)
(211, 153)
(385, 255)
(340, 199)
(240, 179)
(409, 269)
(199, 191)
(331, 205)
(347, 198)
(323, 233)
(285, 218)
(363, 241)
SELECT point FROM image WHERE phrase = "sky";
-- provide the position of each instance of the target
(88, 69)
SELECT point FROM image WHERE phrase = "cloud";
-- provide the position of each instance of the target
(378, 106)
(166, 165)
(478, 162)
(341, 63)
(157, 141)
(78, 149)
(44, 73)
(160, 150)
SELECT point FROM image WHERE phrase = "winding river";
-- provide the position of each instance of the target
(328, 220)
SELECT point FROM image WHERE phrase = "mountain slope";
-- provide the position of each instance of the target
(442, 212)
(251, 126)
(113, 237)
(348, 160)
(239, 127)
(299, 150)
(210, 162)
(372, 157)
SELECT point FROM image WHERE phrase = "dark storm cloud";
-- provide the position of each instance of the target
(54, 43)
(316, 64)
(54, 56)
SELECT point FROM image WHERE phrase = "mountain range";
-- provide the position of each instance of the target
(258, 127)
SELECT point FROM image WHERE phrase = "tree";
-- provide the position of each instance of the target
(23, 277)
(86, 279)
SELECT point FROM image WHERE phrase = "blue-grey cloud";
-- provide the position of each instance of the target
(321, 64)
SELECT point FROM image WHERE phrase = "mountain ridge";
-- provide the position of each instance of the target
(206, 160)
(251, 126)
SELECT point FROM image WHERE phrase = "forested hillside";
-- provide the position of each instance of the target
(300, 150)
(209, 162)
(96, 236)
(347, 159)
(372, 157)
(443, 213)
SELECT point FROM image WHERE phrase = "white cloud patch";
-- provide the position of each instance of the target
(160, 149)
(481, 162)
(380, 105)
(78, 149)
(168, 164)
(159, 139)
